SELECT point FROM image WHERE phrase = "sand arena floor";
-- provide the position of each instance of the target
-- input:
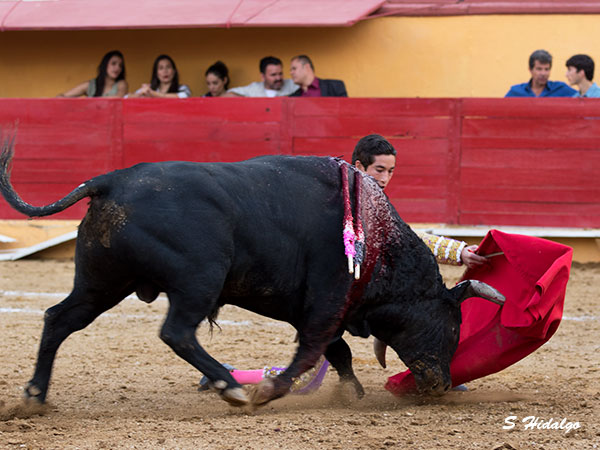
(116, 385)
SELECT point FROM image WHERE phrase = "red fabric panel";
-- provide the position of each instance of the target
(510, 142)
(203, 129)
(554, 127)
(525, 107)
(335, 145)
(522, 164)
(60, 143)
(384, 107)
(425, 210)
(532, 274)
(419, 129)
(567, 158)
(203, 108)
(538, 220)
(363, 125)
(555, 194)
(492, 169)
(196, 150)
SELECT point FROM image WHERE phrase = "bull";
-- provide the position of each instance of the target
(264, 235)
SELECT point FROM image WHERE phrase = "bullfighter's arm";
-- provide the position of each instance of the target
(451, 251)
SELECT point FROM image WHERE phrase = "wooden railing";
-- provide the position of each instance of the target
(528, 162)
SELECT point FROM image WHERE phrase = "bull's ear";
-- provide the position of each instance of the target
(475, 288)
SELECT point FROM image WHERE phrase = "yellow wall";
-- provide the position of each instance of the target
(459, 56)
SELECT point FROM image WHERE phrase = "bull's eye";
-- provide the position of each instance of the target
(454, 334)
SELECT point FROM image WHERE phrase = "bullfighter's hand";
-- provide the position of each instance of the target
(470, 258)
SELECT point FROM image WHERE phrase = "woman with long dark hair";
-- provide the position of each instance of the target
(217, 80)
(164, 81)
(110, 81)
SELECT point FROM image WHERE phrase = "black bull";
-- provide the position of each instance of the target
(265, 235)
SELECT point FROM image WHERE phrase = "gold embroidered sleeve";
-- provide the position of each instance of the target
(445, 250)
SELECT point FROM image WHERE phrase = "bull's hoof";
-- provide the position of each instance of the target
(352, 384)
(235, 397)
(347, 393)
(33, 393)
(263, 392)
(358, 390)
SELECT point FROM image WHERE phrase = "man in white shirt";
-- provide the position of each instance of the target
(272, 85)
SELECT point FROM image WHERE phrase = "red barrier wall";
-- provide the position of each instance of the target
(524, 162)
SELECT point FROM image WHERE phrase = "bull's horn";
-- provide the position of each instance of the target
(476, 288)
(379, 349)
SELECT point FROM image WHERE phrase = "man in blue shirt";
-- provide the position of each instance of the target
(540, 63)
(580, 73)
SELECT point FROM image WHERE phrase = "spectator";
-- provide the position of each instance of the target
(580, 73)
(540, 63)
(217, 80)
(164, 81)
(272, 85)
(110, 81)
(303, 74)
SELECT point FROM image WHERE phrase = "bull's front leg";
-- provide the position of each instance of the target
(338, 353)
(314, 337)
(273, 388)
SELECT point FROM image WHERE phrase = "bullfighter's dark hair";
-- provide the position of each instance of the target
(304, 60)
(155, 82)
(219, 70)
(540, 55)
(369, 147)
(100, 79)
(582, 62)
(269, 60)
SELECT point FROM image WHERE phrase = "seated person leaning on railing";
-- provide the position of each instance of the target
(110, 81)
(164, 82)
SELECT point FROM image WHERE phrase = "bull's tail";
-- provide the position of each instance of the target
(14, 200)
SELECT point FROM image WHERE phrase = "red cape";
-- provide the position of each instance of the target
(532, 274)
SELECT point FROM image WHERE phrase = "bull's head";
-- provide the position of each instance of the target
(425, 337)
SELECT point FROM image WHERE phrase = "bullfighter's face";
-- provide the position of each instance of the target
(382, 169)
